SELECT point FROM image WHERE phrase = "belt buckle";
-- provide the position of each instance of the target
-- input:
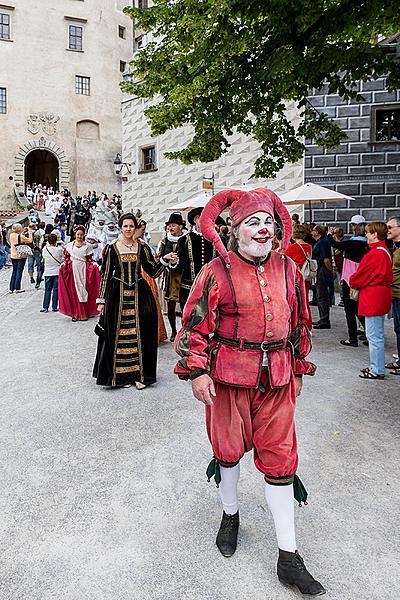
(265, 348)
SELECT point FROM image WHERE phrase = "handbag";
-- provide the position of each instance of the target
(22, 250)
(354, 294)
(310, 267)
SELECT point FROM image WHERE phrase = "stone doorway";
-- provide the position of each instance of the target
(42, 167)
(42, 145)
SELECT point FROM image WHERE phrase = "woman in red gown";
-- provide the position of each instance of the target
(79, 279)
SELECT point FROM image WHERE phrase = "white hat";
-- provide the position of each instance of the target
(357, 219)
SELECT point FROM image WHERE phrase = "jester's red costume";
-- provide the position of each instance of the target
(256, 314)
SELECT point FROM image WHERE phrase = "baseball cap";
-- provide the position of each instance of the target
(357, 219)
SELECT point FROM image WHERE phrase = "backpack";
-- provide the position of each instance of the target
(310, 267)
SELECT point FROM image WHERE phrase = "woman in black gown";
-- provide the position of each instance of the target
(128, 326)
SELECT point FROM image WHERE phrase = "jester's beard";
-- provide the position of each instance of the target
(254, 248)
(255, 235)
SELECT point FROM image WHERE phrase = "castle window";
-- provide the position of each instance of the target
(3, 100)
(385, 123)
(5, 26)
(75, 37)
(82, 85)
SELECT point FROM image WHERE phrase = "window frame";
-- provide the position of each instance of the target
(122, 29)
(6, 13)
(80, 79)
(142, 164)
(373, 122)
(3, 100)
(76, 26)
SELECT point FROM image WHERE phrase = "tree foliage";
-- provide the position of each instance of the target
(226, 65)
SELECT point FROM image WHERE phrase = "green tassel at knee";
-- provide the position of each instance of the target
(300, 492)
(213, 470)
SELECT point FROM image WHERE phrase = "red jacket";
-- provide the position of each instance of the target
(374, 280)
(249, 305)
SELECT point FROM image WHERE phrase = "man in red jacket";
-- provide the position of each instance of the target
(243, 345)
(374, 280)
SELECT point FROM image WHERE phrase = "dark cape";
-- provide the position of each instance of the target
(194, 251)
(128, 330)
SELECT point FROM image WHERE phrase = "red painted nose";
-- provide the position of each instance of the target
(263, 230)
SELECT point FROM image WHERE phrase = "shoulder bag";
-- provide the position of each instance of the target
(22, 249)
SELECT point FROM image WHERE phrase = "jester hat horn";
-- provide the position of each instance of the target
(243, 204)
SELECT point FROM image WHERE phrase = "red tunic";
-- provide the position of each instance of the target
(270, 306)
(374, 280)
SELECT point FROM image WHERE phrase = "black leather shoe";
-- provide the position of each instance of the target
(227, 534)
(292, 571)
(322, 326)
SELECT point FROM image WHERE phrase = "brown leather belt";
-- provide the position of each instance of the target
(246, 345)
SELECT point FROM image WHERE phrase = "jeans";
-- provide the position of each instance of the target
(36, 259)
(50, 288)
(396, 319)
(3, 256)
(18, 265)
(374, 330)
(324, 276)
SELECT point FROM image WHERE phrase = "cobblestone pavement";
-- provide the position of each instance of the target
(103, 492)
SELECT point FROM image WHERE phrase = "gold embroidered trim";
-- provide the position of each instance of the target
(128, 257)
(129, 293)
(127, 331)
(130, 311)
(127, 369)
(125, 351)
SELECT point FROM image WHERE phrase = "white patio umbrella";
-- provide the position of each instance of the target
(311, 193)
(197, 201)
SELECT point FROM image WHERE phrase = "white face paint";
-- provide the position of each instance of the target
(256, 235)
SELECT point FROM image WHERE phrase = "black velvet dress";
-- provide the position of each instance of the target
(128, 330)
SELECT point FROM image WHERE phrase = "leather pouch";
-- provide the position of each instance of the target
(232, 366)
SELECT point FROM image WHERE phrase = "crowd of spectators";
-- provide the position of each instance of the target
(366, 269)
(363, 267)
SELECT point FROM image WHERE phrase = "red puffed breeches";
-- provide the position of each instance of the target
(242, 419)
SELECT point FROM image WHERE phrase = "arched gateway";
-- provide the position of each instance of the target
(42, 161)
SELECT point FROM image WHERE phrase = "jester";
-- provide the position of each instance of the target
(243, 345)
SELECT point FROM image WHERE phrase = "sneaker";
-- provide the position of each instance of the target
(32, 280)
(349, 343)
(54, 309)
(44, 310)
(291, 570)
(227, 534)
(341, 304)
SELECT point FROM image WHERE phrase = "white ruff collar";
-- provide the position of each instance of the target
(173, 238)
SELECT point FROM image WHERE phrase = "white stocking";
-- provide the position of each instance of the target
(228, 489)
(281, 504)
